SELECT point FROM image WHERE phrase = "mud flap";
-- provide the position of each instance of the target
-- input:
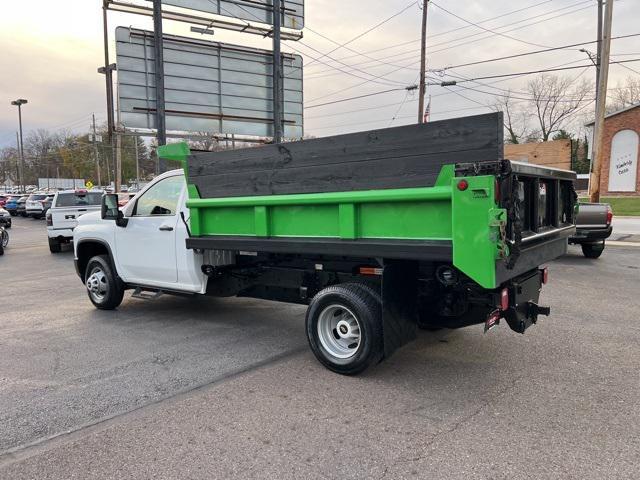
(399, 304)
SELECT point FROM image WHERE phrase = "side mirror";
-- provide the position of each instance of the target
(111, 211)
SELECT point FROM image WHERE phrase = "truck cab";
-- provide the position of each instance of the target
(146, 245)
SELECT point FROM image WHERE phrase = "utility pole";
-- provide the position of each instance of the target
(423, 62)
(277, 73)
(159, 65)
(95, 149)
(135, 143)
(599, 53)
(601, 104)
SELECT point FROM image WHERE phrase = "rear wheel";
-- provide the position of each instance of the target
(4, 238)
(344, 328)
(54, 245)
(592, 250)
(104, 289)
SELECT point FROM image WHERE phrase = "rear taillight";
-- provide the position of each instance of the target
(504, 299)
(545, 275)
(49, 221)
(609, 215)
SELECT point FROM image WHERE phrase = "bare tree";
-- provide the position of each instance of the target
(516, 119)
(555, 100)
(625, 95)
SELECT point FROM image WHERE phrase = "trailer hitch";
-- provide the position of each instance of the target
(533, 310)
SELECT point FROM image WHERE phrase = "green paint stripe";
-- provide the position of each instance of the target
(366, 196)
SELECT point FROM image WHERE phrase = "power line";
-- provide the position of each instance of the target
(366, 32)
(432, 36)
(531, 72)
(413, 53)
(487, 29)
(524, 54)
(413, 87)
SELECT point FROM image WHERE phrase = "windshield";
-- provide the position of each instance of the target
(37, 197)
(78, 199)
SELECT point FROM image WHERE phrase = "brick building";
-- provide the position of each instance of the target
(620, 172)
(556, 153)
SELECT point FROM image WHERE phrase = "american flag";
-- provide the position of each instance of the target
(427, 111)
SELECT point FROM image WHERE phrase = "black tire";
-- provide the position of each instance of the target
(111, 287)
(592, 250)
(23, 214)
(13, 214)
(54, 245)
(8, 225)
(360, 302)
(1, 249)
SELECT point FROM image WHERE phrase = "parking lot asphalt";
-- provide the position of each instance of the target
(211, 388)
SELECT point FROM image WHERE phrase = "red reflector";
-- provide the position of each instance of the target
(504, 299)
(463, 185)
(609, 215)
(370, 271)
(545, 275)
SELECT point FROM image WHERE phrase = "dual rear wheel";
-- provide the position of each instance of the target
(344, 328)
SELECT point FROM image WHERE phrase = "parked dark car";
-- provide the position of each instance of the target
(5, 218)
(593, 227)
(11, 204)
(21, 208)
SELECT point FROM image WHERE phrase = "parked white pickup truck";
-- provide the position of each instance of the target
(67, 206)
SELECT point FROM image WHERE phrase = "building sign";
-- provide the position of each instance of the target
(623, 168)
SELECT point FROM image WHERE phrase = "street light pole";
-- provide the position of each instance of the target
(19, 102)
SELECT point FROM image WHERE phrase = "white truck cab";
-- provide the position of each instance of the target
(144, 248)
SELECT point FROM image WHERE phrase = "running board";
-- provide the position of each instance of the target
(146, 293)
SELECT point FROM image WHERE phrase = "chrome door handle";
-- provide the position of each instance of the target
(166, 228)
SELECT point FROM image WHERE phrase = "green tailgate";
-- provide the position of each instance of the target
(469, 218)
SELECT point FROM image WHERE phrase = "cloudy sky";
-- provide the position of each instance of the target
(49, 52)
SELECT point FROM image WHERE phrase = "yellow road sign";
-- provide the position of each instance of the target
(89, 184)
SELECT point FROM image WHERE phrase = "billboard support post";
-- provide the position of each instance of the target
(277, 73)
(159, 68)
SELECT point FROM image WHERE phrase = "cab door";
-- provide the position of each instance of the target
(146, 246)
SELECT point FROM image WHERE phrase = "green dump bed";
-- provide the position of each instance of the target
(426, 192)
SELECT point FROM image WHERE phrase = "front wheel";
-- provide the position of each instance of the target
(592, 250)
(104, 289)
(344, 328)
(4, 238)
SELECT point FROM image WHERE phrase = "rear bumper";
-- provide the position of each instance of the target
(590, 235)
(60, 233)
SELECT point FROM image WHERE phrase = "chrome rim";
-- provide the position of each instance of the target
(339, 331)
(97, 284)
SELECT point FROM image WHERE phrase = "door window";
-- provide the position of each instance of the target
(161, 199)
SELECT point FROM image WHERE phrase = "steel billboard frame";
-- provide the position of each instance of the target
(243, 26)
(217, 96)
